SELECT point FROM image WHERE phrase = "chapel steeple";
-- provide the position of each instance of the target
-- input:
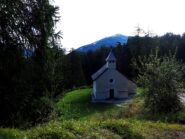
(111, 61)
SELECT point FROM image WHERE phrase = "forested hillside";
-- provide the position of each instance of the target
(137, 46)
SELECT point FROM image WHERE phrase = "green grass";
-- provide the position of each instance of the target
(77, 105)
(81, 119)
(107, 129)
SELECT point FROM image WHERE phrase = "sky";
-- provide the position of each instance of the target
(85, 21)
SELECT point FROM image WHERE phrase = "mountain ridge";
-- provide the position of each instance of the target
(109, 41)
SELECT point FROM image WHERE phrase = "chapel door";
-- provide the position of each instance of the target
(111, 93)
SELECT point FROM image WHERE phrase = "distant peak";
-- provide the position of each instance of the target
(109, 41)
(119, 34)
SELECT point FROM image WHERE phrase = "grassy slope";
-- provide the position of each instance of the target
(77, 105)
(78, 118)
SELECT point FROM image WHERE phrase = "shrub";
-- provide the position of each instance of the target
(11, 134)
(162, 80)
(122, 129)
(39, 111)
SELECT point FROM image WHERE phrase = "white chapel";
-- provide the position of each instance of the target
(108, 83)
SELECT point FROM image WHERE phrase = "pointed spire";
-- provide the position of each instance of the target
(111, 57)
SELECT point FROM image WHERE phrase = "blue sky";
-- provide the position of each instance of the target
(85, 21)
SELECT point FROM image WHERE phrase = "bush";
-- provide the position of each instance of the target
(162, 80)
(122, 129)
(41, 110)
(11, 134)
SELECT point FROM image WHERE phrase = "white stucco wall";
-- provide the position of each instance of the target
(121, 85)
(94, 89)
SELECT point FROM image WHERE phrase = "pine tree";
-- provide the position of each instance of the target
(24, 25)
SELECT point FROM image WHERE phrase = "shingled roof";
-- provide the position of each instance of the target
(99, 72)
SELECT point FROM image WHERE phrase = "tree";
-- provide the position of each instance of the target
(24, 24)
(162, 80)
(56, 62)
(74, 73)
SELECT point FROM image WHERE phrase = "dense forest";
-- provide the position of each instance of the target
(125, 53)
(30, 83)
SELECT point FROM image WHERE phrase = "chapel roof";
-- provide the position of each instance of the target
(111, 57)
(104, 68)
(99, 72)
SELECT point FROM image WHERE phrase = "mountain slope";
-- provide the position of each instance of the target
(108, 42)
